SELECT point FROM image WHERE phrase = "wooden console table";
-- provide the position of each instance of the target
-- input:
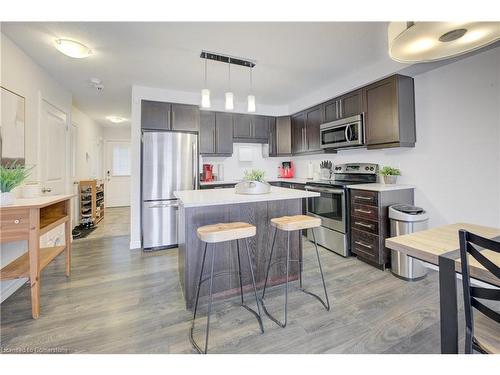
(28, 219)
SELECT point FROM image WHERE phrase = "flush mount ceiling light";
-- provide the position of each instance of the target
(116, 119)
(229, 96)
(72, 48)
(413, 42)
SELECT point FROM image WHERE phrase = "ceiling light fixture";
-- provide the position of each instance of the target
(251, 97)
(116, 119)
(229, 105)
(414, 42)
(205, 92)
(72, 48)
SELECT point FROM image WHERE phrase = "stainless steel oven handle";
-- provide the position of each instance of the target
(363, 244)
(322, 190)
(363, 198)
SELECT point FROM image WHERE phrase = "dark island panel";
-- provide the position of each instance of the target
(258, 214)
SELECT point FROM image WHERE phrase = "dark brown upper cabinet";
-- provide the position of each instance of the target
(251, 128)
(185, 117)
(169, 116)
(390, 113)
(313, 121)
(298, 133)
(216, 133)
(347, 105)
(155, 115)
(280, 136)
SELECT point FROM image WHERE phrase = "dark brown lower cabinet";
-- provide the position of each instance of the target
(370, 225)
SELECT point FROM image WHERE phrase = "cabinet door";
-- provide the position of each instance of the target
(260, 127)
(155, 115)
(298, 133)
(283, 135)
(381, 116)
(207, 132)
(242, 126)
(313, 122)
(224, 133)
(331, 110)
(272, 141)
(185, 117)
(351, 104)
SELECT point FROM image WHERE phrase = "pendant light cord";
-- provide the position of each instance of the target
(229, 65)
(205, 72)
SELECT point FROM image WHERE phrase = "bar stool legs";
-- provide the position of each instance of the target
(288, 260)
(209, 309)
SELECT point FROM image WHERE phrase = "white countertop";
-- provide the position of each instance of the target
(214, 197)
(380, 187)
(294, 180)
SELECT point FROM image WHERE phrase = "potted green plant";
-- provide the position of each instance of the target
(253, 183)
(390, 174)
(11, 176)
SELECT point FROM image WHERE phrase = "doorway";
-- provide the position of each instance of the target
(117, 184)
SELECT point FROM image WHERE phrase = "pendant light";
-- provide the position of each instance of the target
(205, 93)
(251, 97)
(229, 105)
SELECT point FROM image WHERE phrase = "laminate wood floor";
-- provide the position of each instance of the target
(123, 301)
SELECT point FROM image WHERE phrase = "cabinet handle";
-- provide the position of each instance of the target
(363, 244)
(362, 211)
(173, 120)
(340, 108)
(337, 113)
(362, 198)
(363, 224)
(214, 140)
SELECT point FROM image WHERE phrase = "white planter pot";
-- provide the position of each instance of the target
(6, 198)
(252, 187)
(390, 179)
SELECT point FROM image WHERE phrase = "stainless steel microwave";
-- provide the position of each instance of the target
(343, 133)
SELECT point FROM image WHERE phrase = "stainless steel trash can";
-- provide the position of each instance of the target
(407, 219)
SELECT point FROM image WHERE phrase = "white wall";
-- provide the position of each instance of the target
(455, 164)
(22, 75)
(234, 169)
(89, 146)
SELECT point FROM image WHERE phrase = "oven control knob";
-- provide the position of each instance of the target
(371, 168)
(367, 168)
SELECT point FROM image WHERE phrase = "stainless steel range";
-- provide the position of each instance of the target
(332, 206)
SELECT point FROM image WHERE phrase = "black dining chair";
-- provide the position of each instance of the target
(473, 294)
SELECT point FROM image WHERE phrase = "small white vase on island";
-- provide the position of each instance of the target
(390, 180)
(6, 198)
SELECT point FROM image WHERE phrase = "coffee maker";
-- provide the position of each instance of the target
(286, 170)
(208, 173)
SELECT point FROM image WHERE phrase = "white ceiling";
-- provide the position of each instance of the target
(293, 59)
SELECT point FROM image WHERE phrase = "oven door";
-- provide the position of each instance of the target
(330, 207)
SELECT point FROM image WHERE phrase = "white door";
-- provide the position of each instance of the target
(117, 189)
(53, 150)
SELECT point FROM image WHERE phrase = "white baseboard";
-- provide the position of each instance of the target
(135, 245)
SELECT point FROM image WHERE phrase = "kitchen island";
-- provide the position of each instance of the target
(203, 207)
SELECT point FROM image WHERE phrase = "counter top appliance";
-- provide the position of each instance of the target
(344, 133)
(332, 206)
(169, 163)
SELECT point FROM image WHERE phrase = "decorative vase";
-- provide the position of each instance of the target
(6, 198)
(390, 179)
(252, 187)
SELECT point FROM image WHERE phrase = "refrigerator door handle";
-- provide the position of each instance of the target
(195, 166)
(174, 205)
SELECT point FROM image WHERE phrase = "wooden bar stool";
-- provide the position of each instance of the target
(289, 224)
(214, 234)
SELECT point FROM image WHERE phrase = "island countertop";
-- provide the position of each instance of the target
(214, 197)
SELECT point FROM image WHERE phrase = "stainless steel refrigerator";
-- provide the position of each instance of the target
(169, 163)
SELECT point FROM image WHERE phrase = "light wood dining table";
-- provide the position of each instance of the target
(440, 246)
